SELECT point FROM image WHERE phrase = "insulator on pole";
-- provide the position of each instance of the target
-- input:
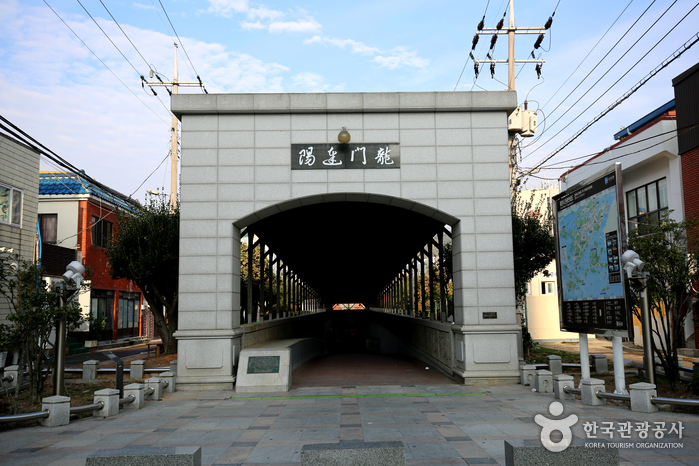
(549, 22)
(475, 68)
(481, 24)
(470, 54)
(493, 40)
(500, 24)
(538, 71)
(492, 70)
(539, 40)
(475, 41)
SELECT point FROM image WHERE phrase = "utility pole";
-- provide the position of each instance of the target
(511, 30)
(174, 84)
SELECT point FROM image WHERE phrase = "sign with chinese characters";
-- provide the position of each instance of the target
(341, 156)
(263, 365)
(590, 239)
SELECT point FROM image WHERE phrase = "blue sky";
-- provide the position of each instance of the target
(54, 88)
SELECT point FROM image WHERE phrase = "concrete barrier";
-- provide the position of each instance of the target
(527, 452)
(146, 456)
(354, 452)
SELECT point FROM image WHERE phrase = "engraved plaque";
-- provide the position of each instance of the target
(490, 315)
(263, 365)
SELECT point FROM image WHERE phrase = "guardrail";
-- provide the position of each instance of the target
(87, 408)
(25, 416)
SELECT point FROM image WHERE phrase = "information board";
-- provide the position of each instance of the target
(590, 239)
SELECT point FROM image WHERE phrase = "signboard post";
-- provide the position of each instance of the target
(590, 238)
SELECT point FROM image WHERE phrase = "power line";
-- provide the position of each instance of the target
(105, 65)
(678, 53)
(588, 54)
(616, 82)
(616, 62)
(125, 35)
(110, 39)
(151, 174)
(179, 40)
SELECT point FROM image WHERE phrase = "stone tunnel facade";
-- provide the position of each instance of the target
(237, 167)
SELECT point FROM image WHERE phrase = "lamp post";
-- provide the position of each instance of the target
(633, 266)
(72, 279)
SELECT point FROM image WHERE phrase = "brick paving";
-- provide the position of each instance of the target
(441, 423)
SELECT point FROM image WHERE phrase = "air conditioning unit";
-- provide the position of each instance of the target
(514, 121)
(530, 123)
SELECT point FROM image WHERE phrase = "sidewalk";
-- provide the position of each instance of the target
(462, 425)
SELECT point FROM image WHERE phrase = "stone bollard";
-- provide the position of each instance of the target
(135, 389)
(599, 362)
(527, 375)
(641, 393)
(90, 369)
(59, 411)
(168, 377)
(14, 372)
(173, 366)
(560, 381)
(137, 369)
(544, 381)
(110, 398)
(588, 392)
(555, 364)
(154, 383)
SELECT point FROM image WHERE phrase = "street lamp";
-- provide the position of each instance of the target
(72, 279)
(633, 266)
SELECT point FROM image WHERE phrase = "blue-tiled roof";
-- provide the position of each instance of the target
(69, 183)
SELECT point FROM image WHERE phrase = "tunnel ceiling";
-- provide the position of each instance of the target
(346, 251)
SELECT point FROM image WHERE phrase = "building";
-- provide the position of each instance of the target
(687, 98)
(278, 165)
(76, 215)
(652, 175)
(19, 191)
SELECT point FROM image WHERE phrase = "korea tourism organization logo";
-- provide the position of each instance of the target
(549, 426)
(617, 434)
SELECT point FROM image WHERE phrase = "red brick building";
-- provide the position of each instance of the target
(687, 105)
(79, 216)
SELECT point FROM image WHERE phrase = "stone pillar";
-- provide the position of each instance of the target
(555, 364)
(14, 372)
(588, 389)
(110, 398)
(90, 369)
(544, 381)
(137, 369)
(154, 383)
(528, 372)
(641, 393)
(173, 366)
(59, 411)
(599, 362)
(135, 389)
(168, 377)
(560, 381)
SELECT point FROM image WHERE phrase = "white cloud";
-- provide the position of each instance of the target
(401, 56)
(140, 6)
(262, 17)
(391, 59)
(305, 25)
(311, 82)
(228, 8)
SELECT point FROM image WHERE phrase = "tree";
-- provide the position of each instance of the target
(671, 259)
(145, 249)
(35, 310)
(532, 239)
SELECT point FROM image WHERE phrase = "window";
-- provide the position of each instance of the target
(129, 313)
(48, 224)
(548, 288)
(101, 306)
(101, 232)
(527, 289)
(10, 205)
(646, 204)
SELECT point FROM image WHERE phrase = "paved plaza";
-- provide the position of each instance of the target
(439, 424)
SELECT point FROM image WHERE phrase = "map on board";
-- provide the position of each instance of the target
(589, 258)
